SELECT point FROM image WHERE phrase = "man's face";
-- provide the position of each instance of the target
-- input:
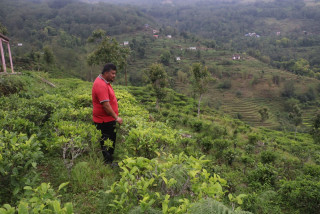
(111, 75)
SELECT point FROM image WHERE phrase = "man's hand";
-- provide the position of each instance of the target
(119, 120)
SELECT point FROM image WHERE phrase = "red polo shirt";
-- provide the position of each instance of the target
(102, 91)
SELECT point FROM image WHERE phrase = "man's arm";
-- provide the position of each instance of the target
(108, 109)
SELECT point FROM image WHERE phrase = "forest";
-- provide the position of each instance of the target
(220, 102)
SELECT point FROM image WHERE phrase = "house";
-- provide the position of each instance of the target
(169, 36)
(278, 33)
(156, 36)
(252, 35)
(155, 31)
(178, 58)
(193, 48)
(126, 43)
(236, 57)
(146, 25)
(19, 44)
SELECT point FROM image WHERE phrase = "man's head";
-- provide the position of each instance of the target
(109, 72)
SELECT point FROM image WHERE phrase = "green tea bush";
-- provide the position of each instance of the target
(195, 124)
(302, 194)
(268, 156)
(10, 85)
(151, 183)
(253, 138)
(82, 100)
(17, 124)
(42, 199)
(19, 156)
(262, 175)
(312, 170)
(147, 139)
(74, 138)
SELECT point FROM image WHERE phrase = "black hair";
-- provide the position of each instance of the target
(108, 67)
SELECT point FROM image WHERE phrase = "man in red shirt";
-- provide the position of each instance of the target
(105, 109)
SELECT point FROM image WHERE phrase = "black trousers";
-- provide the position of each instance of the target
(108, 131)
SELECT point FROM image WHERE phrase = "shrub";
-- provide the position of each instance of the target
(302, 194)
(226, 84)
(268, 156)
(19, 156)
(42, 199)
(263, 175)
(177, 175)
(10, 85)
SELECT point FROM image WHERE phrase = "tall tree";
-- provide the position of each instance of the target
(108, 50)
(264, 114)
(159, 79)
(48, 55)
(200, 78)
(296, 117)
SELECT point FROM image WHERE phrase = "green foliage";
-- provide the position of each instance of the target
(74, 138)
(301, 194)
(158, 78)
(165, 58)
(147, 139)
(268, 157)
(200, 78)
(226, 84)
(140, 175)
(211, 206)
(262, 175)
(19, 156)
(315, 132)
(264, 113)
(48, 56)
(42, 199)
(288, 89)
(108, 50)
(3, 29)
(10, 85)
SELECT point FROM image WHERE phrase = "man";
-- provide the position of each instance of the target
(105, 109)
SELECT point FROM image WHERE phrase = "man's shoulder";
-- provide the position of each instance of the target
(98, 82)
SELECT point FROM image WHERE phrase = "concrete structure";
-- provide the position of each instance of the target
(4, 39)
(236, 57)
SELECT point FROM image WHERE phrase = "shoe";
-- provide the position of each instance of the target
(114, 165)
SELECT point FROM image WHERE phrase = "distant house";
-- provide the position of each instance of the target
(178, 58)
(126, 43)
(156, 36)
(155, 31)
(146, 25)
(169, 36)
(278, 33)
(193, 48)
(20, 44)
(252, 35)
(236, 57)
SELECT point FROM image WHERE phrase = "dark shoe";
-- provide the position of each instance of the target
(114, 165)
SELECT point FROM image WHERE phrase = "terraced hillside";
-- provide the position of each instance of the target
(251, 88)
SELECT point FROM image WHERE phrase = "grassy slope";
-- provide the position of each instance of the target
(178, 111)
(251, 80)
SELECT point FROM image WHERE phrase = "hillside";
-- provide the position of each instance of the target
(170, 159)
